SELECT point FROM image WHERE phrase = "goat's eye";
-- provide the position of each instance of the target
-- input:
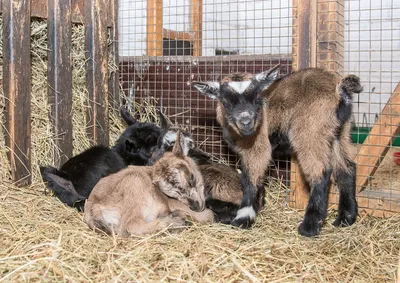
(192, 180)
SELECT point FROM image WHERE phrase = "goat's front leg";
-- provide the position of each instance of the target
(254, 165)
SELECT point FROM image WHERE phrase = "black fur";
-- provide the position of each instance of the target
(137, 143)
(316, 207)
(247, 200)
(280, 145)
(224, 212)
(83, 171)
(75, 180)
(347, 201)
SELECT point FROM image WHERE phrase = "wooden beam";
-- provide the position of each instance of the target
(378, 140)
(197, 26)
(17, 87)
(154, 31)
(59, 31)
(304, 39)
(97, 70)
(113, 81)
(177, 35)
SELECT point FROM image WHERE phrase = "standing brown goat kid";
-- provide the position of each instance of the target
(142, 200)
(307, 112)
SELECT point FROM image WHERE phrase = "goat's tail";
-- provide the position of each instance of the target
(349, 85)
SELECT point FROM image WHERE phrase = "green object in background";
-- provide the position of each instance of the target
(358, 135)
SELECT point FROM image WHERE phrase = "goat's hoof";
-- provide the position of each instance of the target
(244, 222)
(345, 219)
(309, 228)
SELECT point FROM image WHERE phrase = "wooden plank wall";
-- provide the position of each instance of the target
(59, 69)
(100, 17)
(17, 87)
(97, 70)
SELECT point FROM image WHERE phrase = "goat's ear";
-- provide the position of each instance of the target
(267, 77)
(182, 145)
(129, 120)
(211, 89)
(165, 123)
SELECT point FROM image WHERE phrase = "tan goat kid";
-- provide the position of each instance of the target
(142, 200)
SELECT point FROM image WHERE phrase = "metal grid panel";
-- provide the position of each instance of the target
(189, 40)
(362, 38)
(201, 40)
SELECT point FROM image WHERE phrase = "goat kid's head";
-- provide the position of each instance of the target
(177, 176)
(139, 140)
(240, 96)
(167, 138)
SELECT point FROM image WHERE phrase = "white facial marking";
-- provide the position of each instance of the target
(111, 216)
(239, 87)
(245, 212)
(244, 114)
(169, 138)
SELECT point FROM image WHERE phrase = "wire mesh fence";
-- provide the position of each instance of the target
(165, 45)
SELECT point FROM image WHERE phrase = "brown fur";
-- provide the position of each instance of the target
(143, 200)
(307, 112)
(221, 182)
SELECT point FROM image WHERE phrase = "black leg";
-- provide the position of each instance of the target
(224, 212)
(346, 182)
(248, 208)
(317, 207)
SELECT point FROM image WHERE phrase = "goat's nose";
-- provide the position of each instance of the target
(245, 121)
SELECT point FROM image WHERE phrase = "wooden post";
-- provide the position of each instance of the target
(17, 87)
(113, 82)
(154, 31)
(97, 69)
(59, 72)
(197, 26)
(304, 56)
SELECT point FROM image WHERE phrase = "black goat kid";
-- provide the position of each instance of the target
(75, 180)
(307, 112)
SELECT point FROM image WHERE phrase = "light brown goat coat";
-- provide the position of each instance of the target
(134, 201)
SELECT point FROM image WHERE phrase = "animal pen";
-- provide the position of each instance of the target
(97, 55)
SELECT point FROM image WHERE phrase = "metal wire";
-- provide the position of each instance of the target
(354, 36)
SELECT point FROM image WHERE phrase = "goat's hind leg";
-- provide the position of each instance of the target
(315, 165)
(345, 178)
(317, 206)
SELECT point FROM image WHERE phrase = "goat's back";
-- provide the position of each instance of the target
(307, 95)
(128, 195)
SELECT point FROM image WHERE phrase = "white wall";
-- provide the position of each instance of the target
(372, 51)
(252, 26)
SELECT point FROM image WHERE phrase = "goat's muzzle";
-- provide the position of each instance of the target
(196, 205)
(245, 126)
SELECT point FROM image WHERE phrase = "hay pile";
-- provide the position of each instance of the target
(42, 240)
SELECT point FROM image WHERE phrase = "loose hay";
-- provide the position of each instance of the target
(43, 240)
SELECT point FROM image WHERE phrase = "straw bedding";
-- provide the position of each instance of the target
(42, 240)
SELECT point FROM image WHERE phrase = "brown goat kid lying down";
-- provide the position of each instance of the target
(223, 191)
(142, 200)
(307, 112)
